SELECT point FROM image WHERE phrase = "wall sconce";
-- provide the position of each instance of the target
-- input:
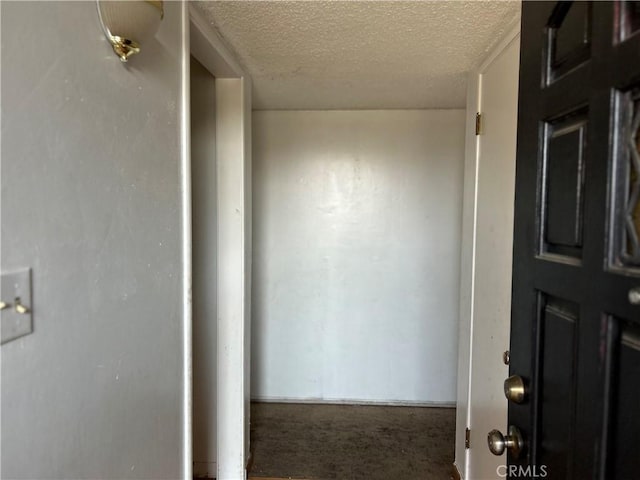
(127, 24)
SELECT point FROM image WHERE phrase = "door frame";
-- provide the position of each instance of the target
(468, 253)
(233, 165)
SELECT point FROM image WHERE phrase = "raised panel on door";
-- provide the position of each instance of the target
(562, 184)
(625, 397)
(558, 324)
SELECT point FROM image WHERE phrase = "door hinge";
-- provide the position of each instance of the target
(467, 438)
(478, 123)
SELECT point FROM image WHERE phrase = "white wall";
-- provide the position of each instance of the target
(357, 230)
(92, 201)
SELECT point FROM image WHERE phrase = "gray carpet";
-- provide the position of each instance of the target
(348, 442)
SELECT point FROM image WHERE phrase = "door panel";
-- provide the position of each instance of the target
(563, 184)
(625, 255)
(575, 324)
(568, 37)
(626, 390)
(558, 326)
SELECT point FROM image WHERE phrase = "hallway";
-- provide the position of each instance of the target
(301, 234)
(351, 442)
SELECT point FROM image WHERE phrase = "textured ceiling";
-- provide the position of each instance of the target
(360, 54)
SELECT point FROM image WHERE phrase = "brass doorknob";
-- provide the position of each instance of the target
(512, 442)
(515, 389)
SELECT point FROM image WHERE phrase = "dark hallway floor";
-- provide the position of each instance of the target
(349, 442)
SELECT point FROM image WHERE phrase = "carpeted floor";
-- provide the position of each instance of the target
(348, 442)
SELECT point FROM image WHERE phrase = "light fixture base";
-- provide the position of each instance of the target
(124, 47)
(123, 21)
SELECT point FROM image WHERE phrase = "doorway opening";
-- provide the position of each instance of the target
(355, 283)
(356, 241)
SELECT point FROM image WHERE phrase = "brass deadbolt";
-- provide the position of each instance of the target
(515, 389)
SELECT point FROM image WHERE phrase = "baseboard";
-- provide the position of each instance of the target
(455, 474)
(209, 469)
(351, 401)
(204, 469)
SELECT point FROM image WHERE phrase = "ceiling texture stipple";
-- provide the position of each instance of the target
(324, 55)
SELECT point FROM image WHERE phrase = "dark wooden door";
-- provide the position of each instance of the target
(576, 278)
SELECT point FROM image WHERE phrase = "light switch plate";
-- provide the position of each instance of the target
(15, 287)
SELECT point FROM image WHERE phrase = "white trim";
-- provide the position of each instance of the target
(467, 274)
(349, 401)
(1, 430)
(498, 49)
(185, 167)
(248, 256)
(210, 48)
(472, 296)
